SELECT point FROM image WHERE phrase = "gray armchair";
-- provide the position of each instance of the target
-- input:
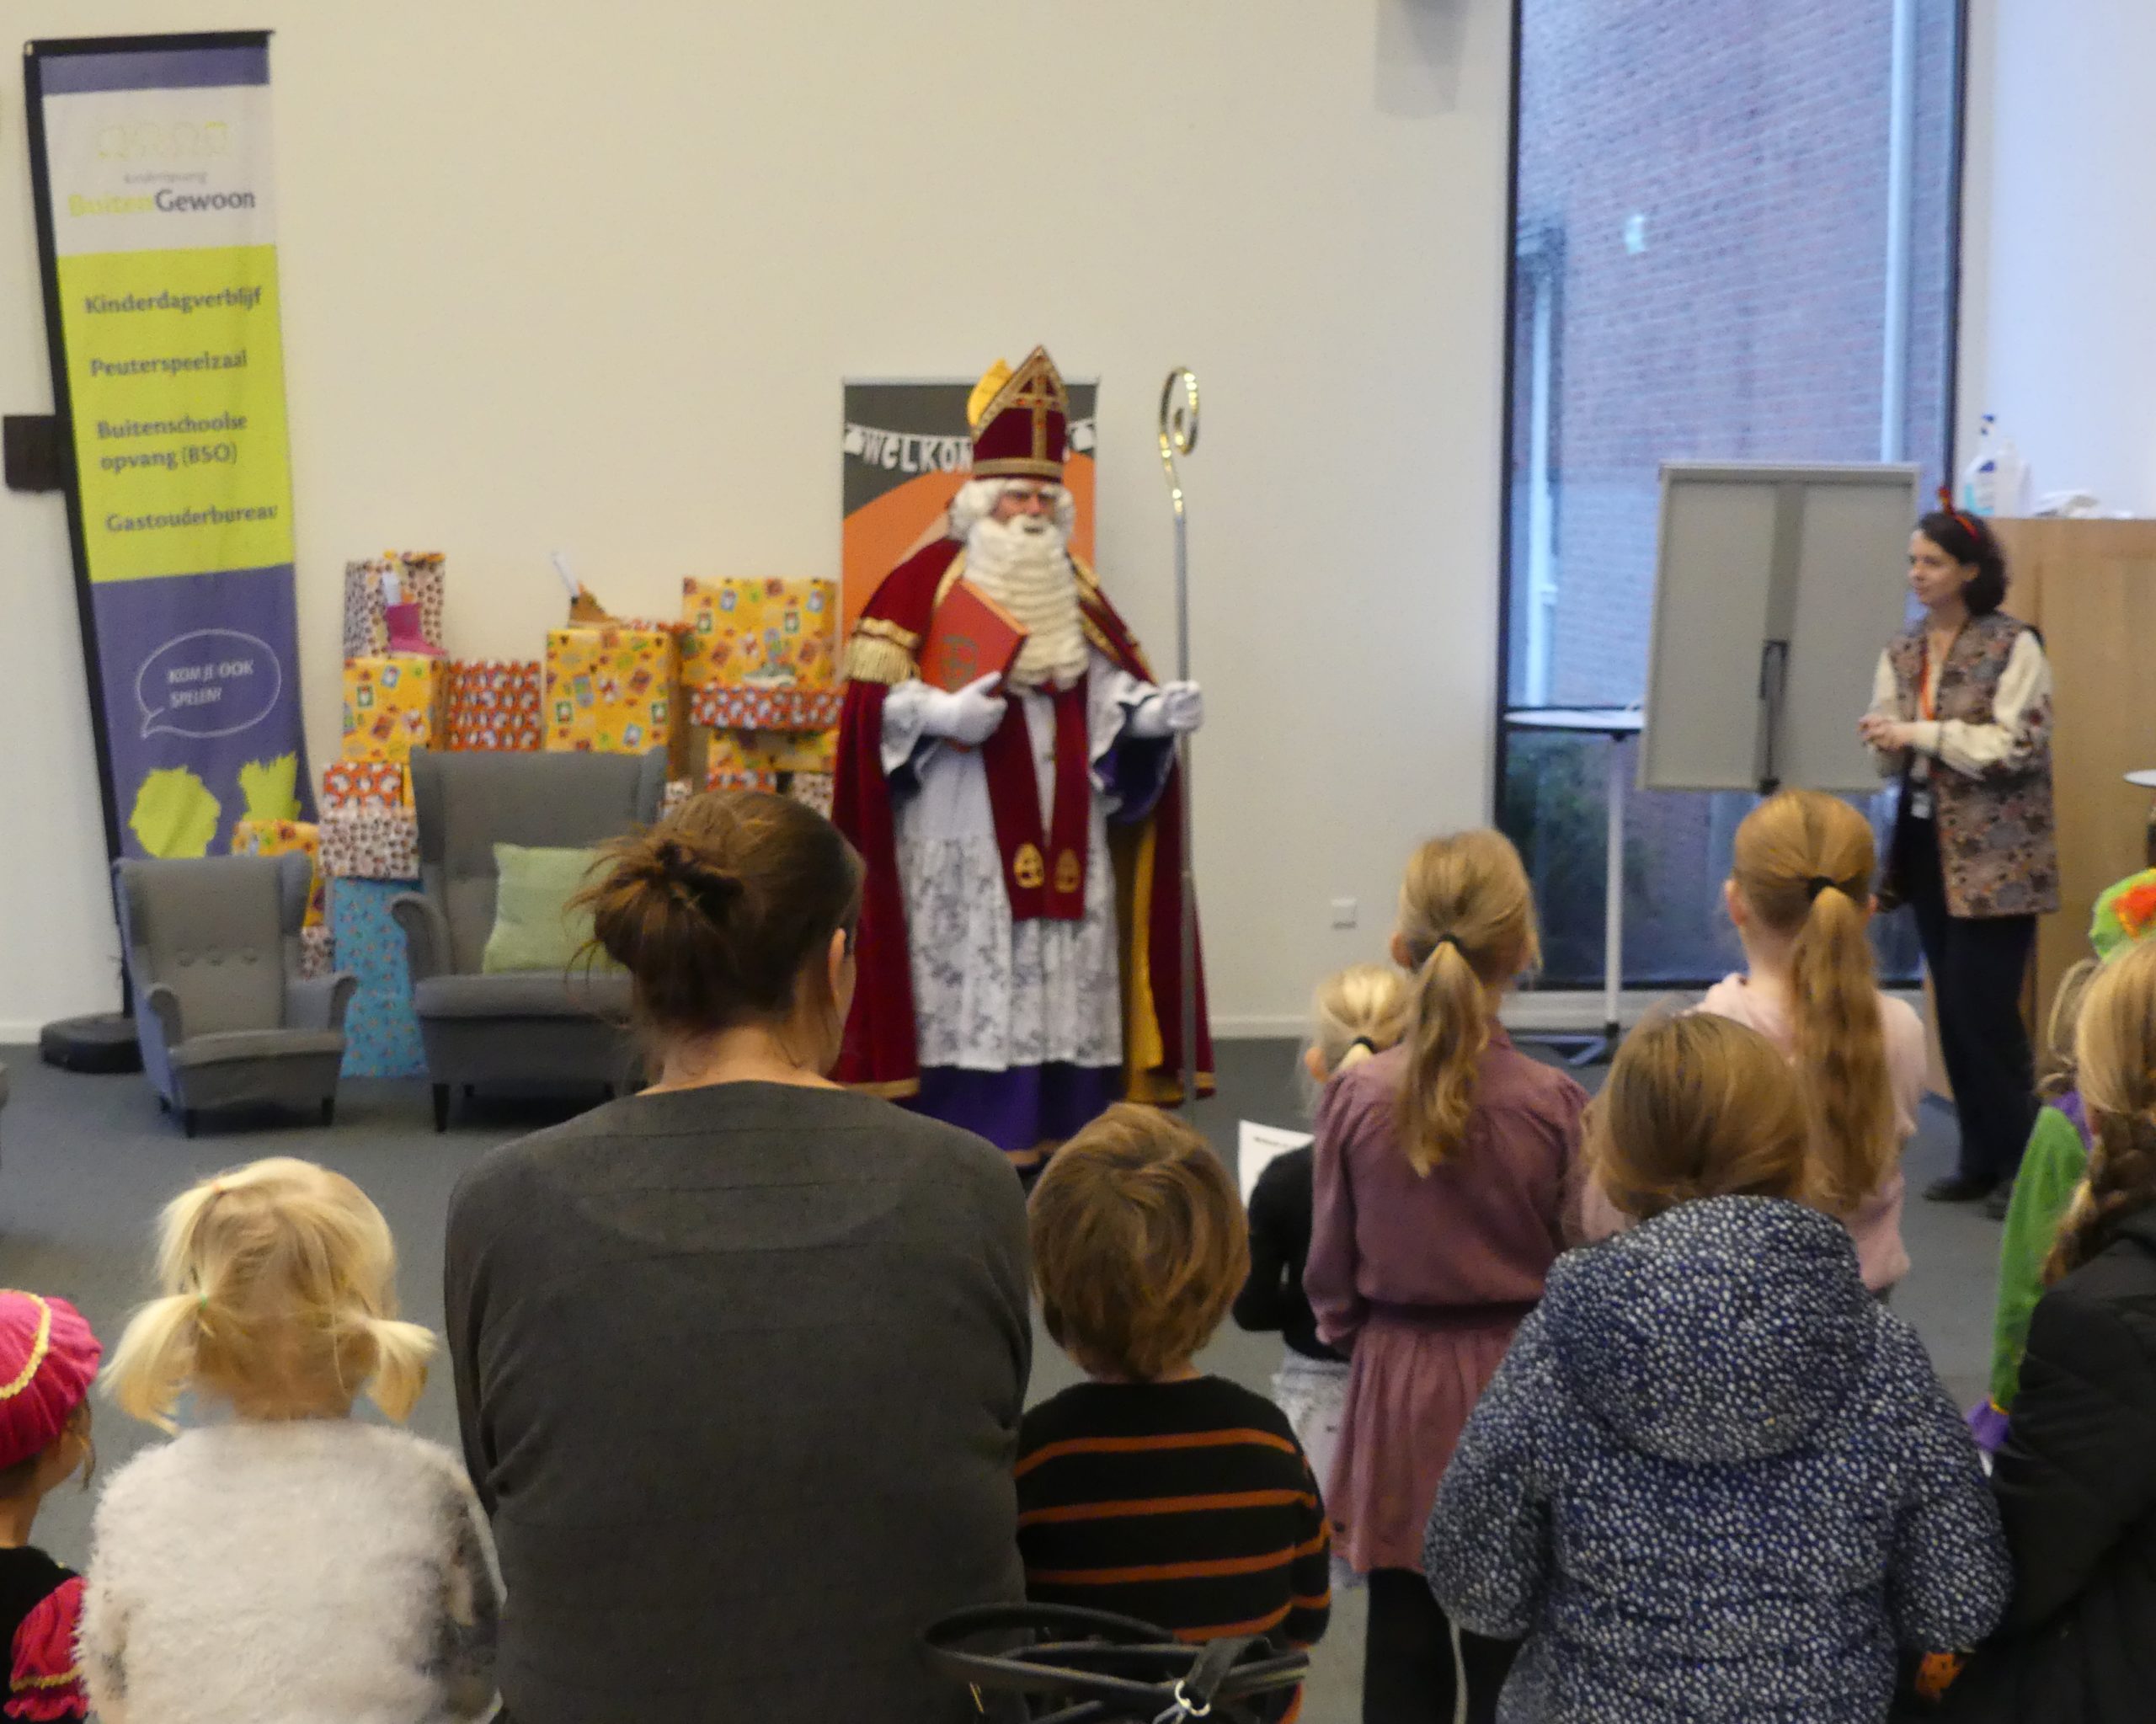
(526, 1027)
(212, 948)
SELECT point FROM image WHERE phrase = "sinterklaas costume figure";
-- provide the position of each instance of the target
(1021, 940)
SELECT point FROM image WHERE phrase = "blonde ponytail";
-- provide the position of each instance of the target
(1803, 866)
(278, 1293)
(1467, 926)
(2056, 1068)
(1356, 1013)
(2115, 1050)
(155, 1358)
(401, 1352)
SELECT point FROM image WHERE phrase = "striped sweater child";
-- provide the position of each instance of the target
(1188, 1504)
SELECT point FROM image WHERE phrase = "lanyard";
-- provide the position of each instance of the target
(1927, 703)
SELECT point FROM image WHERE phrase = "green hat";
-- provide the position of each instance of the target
(2126, 914)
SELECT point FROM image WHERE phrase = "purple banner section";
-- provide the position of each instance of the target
(202, 705)
(77, 72)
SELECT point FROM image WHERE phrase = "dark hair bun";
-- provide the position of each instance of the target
(694, 879)
(718, 910)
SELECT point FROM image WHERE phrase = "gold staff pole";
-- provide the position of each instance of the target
(1179, 436)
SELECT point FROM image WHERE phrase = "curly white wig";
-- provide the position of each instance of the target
(978, 498)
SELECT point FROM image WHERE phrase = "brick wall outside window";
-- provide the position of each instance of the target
(1745, 144)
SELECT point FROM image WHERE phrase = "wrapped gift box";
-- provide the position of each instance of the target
(675, 796)
(611, 689)
(365, 784)
(766, 752)
(393, 706)
(370, 844)
(366, 633)
(493, 703)
(814, 788)
(318, 951)
(772, 632)
(726, 707)
(281, 838)
(381, 1030)
(737, 778)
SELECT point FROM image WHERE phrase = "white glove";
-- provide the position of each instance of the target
(1174, 709)
(968, 716)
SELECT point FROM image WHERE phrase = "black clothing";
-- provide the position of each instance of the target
(2076, 1484)
(1408, 1674)
(1977, 966)
(1279, 1240)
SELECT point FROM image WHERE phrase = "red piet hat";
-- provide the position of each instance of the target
(48, 1359)
(1021, 431)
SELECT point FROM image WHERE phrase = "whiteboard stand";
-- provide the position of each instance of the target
(1775, 587)
(1615, 722)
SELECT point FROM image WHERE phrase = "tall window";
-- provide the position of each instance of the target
(1735, 240)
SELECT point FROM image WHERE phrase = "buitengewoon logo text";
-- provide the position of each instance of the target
(170, 202)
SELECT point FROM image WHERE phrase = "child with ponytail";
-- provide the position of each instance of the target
(1355, 1016)
(2057, 1155)
(1800, 894)
(1444, 1189)
(284, 1561)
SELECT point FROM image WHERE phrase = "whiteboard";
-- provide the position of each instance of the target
(1749, 554)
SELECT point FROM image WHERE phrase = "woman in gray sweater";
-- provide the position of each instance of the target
(740, 1359)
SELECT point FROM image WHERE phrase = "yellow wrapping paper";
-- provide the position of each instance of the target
(610, 691)
(778, 633)
(393, 706)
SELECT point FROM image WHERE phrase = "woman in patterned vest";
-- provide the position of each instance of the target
(1961, 714)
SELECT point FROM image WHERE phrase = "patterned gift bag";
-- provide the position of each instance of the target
(366, 632)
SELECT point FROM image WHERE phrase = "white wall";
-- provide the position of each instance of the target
(562, 276)
(2059, 243)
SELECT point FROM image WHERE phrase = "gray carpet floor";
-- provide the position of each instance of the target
(85, 1163)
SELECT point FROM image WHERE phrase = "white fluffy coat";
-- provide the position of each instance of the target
(320, 1569)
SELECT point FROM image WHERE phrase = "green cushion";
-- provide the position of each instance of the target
(534, 926)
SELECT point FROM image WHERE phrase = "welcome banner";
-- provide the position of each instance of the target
(151, 164)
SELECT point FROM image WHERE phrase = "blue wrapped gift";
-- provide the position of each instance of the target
(381, 1031)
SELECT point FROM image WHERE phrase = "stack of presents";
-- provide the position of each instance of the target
(742, 692)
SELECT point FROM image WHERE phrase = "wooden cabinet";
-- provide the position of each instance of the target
(2090, 587)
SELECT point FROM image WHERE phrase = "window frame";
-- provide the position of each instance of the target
(1517, 261)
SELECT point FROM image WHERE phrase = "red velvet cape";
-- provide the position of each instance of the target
(882, 1047)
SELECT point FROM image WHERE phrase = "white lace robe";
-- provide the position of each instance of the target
(989, 994)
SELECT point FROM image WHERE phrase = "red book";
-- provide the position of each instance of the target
(971, 636)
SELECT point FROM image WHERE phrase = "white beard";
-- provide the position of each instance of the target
(1029, 575)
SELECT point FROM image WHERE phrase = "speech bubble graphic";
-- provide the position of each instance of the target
(208, 682)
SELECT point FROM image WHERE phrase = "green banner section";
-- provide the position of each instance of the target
(175, 372)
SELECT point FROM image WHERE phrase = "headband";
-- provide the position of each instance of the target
(1966, 523)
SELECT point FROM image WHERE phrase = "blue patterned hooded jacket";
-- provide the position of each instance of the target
(1715, 1480)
